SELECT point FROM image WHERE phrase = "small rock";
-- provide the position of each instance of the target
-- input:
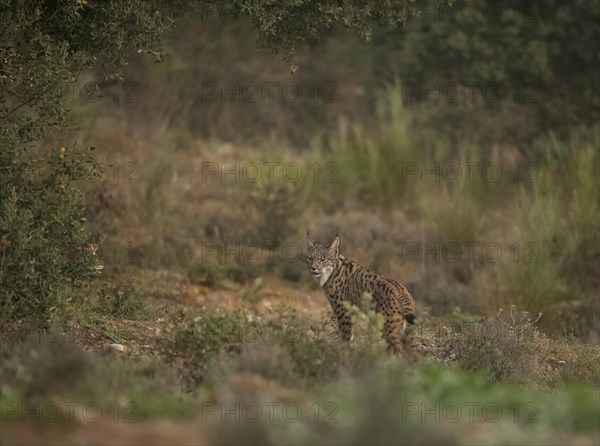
(118, 347)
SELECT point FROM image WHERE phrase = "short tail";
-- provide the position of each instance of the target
(410, 318)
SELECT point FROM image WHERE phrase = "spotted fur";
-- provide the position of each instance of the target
(344, 280)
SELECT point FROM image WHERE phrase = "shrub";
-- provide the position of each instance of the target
(509, 350)
(50, 44)
(195, 340)
(320, 354)
(316, 354)
(219, 340)
(272, 208)
(44, 244)
(125, 300)
(252, 294)
(208, 274)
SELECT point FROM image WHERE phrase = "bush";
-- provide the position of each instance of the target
(205, 273)
(219, 340)
(195, 340)
(252, 295)
(50, 44)
(271, 208)
(509, 350)
(44, 244)
(125, 300)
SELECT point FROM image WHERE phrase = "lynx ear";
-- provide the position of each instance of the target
(310, 242)
(334, 248)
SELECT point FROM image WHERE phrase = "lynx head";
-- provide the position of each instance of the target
(322, 261)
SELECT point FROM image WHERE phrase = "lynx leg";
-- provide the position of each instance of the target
(344, 324)
(391, 327)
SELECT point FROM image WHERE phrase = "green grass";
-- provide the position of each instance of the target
(125, 300)
(375, 167)
(557, 221)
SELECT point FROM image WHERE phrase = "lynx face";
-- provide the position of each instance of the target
(322, 262)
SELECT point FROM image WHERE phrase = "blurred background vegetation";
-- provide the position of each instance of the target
(501, 84)
(111, 115)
